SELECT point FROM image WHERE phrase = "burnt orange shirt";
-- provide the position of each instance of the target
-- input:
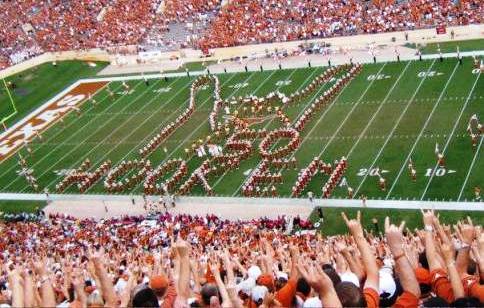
(441, 285)
(286, 294)
(406, 300)
(477, 290)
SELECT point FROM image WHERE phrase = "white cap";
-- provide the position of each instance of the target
(246, 286)
(387, 284)
(254, 272)
(350, 277)
(282, 275)
(312, 302)
(259, 293)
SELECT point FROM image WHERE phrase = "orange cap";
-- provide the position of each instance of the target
(266, 280)
(158, 282)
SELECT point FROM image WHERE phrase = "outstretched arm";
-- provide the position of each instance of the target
(430, 250)
(404, 269)
(466, 234)
(46, 291)
(452, 272)
(368, 258)
(182, 249)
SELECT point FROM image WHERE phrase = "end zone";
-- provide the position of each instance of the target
(46, 115)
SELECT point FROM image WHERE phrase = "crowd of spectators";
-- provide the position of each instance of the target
(262, 21)
(185, 261)
(188, 10)
(30, 27)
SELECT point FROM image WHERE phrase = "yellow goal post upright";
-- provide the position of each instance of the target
(12, 102)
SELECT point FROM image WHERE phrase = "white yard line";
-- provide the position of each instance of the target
(155, 113)
(300, 87)
(427, 121)
(72, 137)
(470, 169)
(377, 111)
(394, 128)
(450, 136)
(196, 129)
(100, 128)
(204, 121)
(301, 112)
(62, 130)
(267, 125)
(348, 115)
(181, 142)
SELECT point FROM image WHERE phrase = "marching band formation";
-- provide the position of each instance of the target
(233, 127)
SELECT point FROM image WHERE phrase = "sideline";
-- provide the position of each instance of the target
(227, 207)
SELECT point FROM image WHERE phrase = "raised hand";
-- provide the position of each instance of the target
(466, 232)
(182, 248)
(354, 225)
(315, 276)
(394, 236)
(428, 217)
(40, 267)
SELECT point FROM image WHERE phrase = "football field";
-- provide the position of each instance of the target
(388, 115)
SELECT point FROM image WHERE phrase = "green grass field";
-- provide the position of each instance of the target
(389, 113)
(450, 46)
(192, 67)
(334, 224)
(14, 207)
(35, 86)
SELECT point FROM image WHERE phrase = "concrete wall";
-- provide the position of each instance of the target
(88, 55)
(423, 36)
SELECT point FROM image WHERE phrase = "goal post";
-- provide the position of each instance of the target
(12, 102)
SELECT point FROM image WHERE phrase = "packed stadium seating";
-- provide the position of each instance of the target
(252, 21)
(187, 10)
(29, 28)
(181, 261)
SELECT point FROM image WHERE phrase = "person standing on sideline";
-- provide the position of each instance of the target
(310, 196)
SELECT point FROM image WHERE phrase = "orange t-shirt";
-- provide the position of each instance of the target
(405, 300)
(372, 298)
(286, 294)
(441, 285)
(477, 290)
(467, 282)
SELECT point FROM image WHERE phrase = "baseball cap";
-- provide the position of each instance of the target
(259, 293)
(158, 282)
(254, 272)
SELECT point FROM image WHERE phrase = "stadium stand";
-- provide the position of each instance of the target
(181, 261)
(183, 10)
(162, 259)
(250, 21)
(29, 28)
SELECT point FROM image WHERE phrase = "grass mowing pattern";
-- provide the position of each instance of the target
(450, 46)
(37, 85)
(116, 129)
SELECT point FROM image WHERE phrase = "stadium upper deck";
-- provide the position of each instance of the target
(29, 28)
